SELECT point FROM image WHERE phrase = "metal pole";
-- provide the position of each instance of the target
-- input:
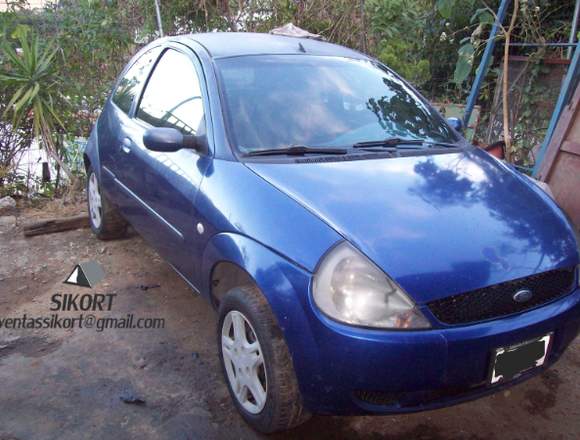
(574, 29)
(158, 13)
(485, 61)
(572, 45)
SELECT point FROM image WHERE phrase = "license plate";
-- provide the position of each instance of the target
(510, 362)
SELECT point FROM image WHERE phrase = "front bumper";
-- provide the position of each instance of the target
(348, 370)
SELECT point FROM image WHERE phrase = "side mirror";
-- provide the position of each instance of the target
(456, 123)
(167, 140)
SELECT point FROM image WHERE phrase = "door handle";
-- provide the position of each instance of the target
(126, 145)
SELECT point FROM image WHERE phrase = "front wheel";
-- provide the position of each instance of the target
(256, 363)
(105, 220)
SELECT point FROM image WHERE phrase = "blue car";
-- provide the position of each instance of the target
(363, 257)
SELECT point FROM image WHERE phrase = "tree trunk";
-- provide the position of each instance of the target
(505, 84)
(56, 225)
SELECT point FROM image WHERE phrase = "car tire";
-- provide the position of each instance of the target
(282, 407)
(106, 222)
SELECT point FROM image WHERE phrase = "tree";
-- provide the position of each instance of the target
(33, 77)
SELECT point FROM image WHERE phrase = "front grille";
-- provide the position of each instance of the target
(496, 301)
(378, 397)
(414, 398)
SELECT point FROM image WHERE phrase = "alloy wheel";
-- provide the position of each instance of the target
(95, 203)
(244, 362)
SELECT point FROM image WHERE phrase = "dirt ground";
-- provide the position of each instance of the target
(68, 384)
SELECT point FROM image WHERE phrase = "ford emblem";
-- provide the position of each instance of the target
(523, 295)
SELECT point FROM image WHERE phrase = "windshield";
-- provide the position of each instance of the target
(277, 101)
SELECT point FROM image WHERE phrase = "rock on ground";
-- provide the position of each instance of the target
(7, 205)
(7, 223)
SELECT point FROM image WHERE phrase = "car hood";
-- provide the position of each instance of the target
(438, 224)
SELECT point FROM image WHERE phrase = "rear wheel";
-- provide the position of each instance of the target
(105, 220)
(256, 363)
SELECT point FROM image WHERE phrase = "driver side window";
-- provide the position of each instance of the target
(172, 97)
(132, 81)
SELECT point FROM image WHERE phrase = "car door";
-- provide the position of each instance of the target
(116, 127)
(165, 184)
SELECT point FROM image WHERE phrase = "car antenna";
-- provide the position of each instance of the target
(301, 48)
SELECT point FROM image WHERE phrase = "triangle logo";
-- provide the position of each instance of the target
(78, 277)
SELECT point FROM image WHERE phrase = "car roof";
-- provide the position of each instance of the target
(231, 44)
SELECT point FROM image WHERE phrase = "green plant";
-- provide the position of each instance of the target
(94, 43)
(390, 22)
(523, 121)
(13, 142)
(395, 54)
(434, 43)
(36, 84)
(457, 11)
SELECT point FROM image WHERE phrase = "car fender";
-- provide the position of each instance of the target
(281, 281)
(285, 287)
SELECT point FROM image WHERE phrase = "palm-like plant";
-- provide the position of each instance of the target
(32, 76)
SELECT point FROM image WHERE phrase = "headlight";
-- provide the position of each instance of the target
(351, 289)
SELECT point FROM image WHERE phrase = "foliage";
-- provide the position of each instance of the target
(540, 21)
(78, 47)
(398, 55)
(36, 84)
(12, 144)
(339, 21)
(63, 71)
(94, 43)
(464, 23)
(390, 21)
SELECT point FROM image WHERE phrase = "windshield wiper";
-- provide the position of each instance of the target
(297, 150)
(394, 143)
